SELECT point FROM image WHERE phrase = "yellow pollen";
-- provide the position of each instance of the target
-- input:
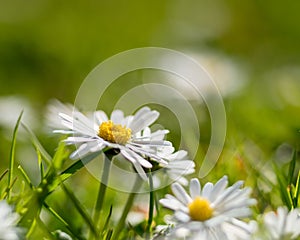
(115, 133)
(200, 209)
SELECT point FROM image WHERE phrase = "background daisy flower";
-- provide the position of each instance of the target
(211, 212)
(282, 224)
(117, 132)
(8, 223)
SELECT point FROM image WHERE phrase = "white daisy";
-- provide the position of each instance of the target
(118, 132)
(282, 224)
(210, 213)
(178, 165)
(8, 223)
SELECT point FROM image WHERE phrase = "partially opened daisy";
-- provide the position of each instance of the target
(213, 212)
(119, 132)
(282, 224)
(8, 223)
(176, 164)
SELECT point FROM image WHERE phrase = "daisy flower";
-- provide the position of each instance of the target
(282, 224)
(117, 132)
(178, 165)
(210, 213)
(8, 222)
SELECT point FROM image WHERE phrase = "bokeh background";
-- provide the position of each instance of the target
(251, 49)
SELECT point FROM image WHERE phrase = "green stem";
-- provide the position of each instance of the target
(12, 156)
(127, 208)
(151, 207)
(102, 187)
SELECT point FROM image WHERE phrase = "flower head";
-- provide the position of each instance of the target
(282, 224)
(208, 213)
(118, 132)
(8, 222)
(178, 165)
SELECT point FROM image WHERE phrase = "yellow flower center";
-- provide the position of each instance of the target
(115, 133)
(200, 209)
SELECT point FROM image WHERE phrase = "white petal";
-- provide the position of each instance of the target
(207, 189)
(117, 116)
(172, 204)
(181, 154)
(100, 117)
(127, 120)
(73, 140)
(180, 193)
(219, 188)
(195, 188)
(127, 152)
(152, 143)
(181, 216)
(181, 164)
(135, 163)
(143, 120)
(228, 192)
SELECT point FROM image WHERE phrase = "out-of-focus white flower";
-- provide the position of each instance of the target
(11, 107)
(211, 213)
(60, 235)
(139, 211)
(8, 223)
(227, 76)
(118, 132)
(280, 225)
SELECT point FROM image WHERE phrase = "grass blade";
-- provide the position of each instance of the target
(81, 210)
(75, 167)
(297, 191)
(292, 167)
(107, 219)
(12, 155)
(283, 187)
(3, 174)
(60, 219)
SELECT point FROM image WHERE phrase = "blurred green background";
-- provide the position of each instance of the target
(47, 48)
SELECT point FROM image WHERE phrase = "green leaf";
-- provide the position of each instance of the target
(283, 185)
(107, 219)
(297, 191)
(12, 155)
(109, 234)
(292, 167)
(60, 155)
(40, 163)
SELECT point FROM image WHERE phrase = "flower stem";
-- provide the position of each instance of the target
(151, 207)
(128, 206)
(102, 188)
